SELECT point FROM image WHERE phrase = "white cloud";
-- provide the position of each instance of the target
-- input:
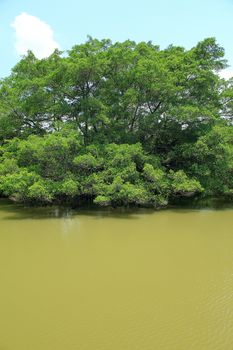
(226, 73)
(33, 34)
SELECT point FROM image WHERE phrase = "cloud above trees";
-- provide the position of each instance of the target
(33, 34)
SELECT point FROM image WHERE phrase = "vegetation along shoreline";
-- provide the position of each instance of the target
(117, 124)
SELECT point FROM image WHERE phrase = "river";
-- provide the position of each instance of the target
(115, 280)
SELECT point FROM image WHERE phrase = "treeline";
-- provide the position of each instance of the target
(117, 124)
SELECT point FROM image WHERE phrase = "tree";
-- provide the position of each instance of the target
(117, 124)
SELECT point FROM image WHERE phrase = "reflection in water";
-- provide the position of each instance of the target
(114, 279)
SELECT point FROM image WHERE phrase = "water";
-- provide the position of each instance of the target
(115, 280)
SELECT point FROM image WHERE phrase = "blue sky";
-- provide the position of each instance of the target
(42, 25)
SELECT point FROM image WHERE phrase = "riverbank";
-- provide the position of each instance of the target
(213, 203)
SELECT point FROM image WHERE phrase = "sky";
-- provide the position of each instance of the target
(43, 25)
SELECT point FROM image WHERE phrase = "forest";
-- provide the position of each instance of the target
(117, 124)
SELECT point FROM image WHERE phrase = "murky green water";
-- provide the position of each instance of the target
(116, 281)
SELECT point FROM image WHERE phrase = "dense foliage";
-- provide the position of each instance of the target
(117, 124)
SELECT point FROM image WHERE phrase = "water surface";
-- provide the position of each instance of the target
(85, 280)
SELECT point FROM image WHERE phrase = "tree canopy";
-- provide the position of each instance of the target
(117, 124)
